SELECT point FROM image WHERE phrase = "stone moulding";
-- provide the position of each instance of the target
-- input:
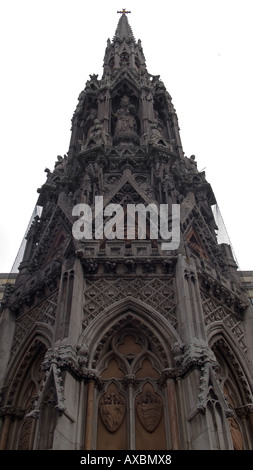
(34, 288)
(215, 312)
(235, 302)
(71, 358)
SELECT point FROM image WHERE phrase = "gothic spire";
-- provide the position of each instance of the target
(123, 30)
(128, 106)
(123, 50)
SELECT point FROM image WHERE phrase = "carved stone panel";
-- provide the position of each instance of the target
(149, 409)
(25, 434)
(112, 419)
(150, 432)
(112, 410)
(44, 312)
(214, 311)
(131, 405)
(156, 293)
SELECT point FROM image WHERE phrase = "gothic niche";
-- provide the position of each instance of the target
(25, 440)
(124, 124)
(158, 131)
(233, 421)
(48, 419)
(92, 131)
(195, 243)
(124, 59)
(111, 63)
(26, 394)
(137, 63)
(96, 136)
(130, 407)
(231, 392)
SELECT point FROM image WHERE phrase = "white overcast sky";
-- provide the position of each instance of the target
(202, 50)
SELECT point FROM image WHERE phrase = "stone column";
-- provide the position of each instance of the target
(251, 419)
(69, 308)
(177, 134)
(132, 56)
(24, 265)
(193, 355)
(173, 416)
(7, 328)
(246, 412)
(104, 110)
(190, 313)
(147, 110)
(247, 323)
(89, 415)
(5, 432)
(64, 302)
(74, 137)
(129, 382)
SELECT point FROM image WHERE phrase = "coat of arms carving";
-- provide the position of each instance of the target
(149, 408)
(112, 411)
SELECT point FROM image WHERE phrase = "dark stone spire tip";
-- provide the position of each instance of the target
(124, 29)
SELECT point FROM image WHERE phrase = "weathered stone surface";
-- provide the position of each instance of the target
(119, 344)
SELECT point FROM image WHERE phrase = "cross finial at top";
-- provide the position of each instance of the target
(124, 12)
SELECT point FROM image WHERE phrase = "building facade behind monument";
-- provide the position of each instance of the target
(118, 343)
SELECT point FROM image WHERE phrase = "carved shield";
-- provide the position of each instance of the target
(149, 409)
(112, 411)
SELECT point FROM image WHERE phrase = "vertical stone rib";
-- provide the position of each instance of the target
(89, 416)
(173, 417)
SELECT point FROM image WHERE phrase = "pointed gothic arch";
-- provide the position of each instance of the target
(25, 383)
(234, 380)
(39, 333)
(24, 379)
(48, 414)
(216, 421)
(195, 243)
(126, 311)
(220, 337)
(131, 405)
(130, 347)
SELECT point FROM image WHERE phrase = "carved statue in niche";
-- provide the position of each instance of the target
(124, 59)
(149, 409)
(155, 134)
(156, 131)
(164, 184)
(93, 178)
(87, 125)
(96, 136)
(193, 163)
(59, 164)
(112, 411)
(126, 121)
(126, 125)
(159, 121)
(90, 118)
